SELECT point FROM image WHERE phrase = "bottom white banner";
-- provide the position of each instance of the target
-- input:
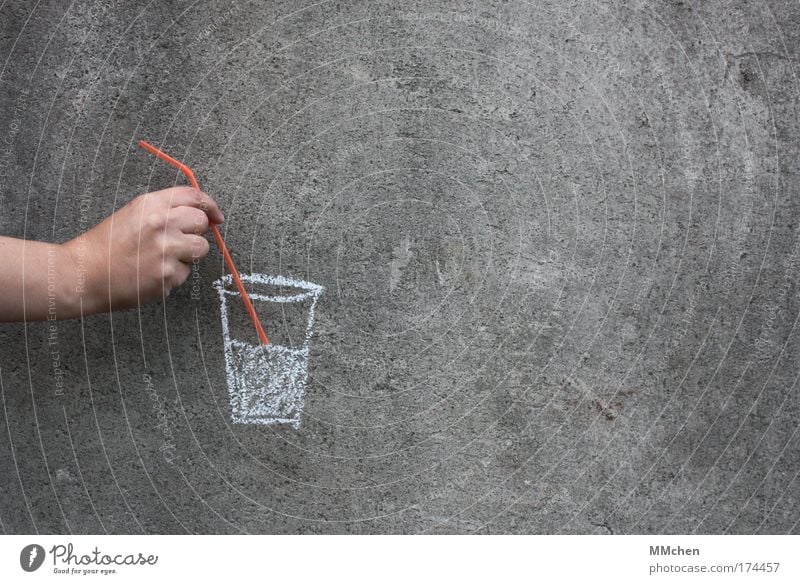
(536, 558)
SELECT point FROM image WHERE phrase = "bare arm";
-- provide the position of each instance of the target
(32, 274)
(139, 253)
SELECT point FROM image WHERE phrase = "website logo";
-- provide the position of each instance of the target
(31, 557)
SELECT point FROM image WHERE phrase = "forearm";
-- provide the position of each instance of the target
(138, 254)
(38, 281)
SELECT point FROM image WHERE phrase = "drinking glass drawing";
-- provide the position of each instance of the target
(266, 383)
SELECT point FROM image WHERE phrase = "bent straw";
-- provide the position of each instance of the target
(262, 336)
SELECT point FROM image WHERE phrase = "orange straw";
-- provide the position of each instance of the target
(220, 243)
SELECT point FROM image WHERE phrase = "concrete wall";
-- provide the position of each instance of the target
(558, 240)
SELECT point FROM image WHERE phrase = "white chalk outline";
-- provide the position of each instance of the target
(313, 292)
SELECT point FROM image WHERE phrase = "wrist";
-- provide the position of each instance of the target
(80, 294)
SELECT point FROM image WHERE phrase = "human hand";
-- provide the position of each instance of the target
(144, 250)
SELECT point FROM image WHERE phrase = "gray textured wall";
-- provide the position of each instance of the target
(559, 242)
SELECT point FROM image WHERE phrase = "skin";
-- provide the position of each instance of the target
(138, 254)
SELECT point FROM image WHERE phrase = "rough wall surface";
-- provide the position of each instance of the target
(559, 244)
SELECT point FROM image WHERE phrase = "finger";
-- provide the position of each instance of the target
(188, 220)
(189, 197)
(175, 274)
(191, 248)
(182, 272)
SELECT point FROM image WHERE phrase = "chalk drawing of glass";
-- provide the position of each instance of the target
(267, 383)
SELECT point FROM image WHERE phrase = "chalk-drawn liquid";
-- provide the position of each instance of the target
(266, 383)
